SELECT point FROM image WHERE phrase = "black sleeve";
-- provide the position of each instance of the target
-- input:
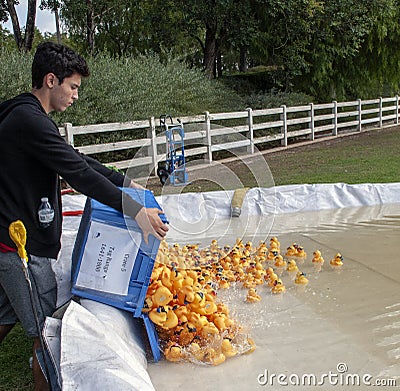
(113, 176)
(46, 144)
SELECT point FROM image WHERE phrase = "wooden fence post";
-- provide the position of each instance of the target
(152, 149)
(359, 115)
(397, 109)
(251, 130)
(284, 126)
(312, 125)
(380, 111)
(208, 136)
(69, 133)
(335, 118)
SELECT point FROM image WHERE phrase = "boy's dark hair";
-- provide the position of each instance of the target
(51, 57)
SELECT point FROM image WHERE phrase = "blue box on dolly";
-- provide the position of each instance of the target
(111, 263)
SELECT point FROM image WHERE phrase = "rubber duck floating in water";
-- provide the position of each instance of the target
(252, 296)
(337, 261)
(173, 352)
(292, 266)
(278, 287)
(279, 261)
(301, 279)
(317, 257)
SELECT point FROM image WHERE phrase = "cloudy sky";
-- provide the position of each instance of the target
(44, 19)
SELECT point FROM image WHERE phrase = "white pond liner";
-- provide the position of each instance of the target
(343, 328)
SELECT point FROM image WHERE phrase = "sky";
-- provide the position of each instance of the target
(45, 21)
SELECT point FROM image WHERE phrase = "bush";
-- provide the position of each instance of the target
(128, 88)
(15, 71)
(137, 88)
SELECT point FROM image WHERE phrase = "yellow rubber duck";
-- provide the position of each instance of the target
(317, 257)
(162, 296)
(279, 261)
(271, 281)
(301, 279)
(272, 254)
(300, 252)
(337, 261)
(274, 243)
(158, 316)
(185, 295)
(166, 277)
(227, 348)
(171, 320)
(186, 333)
(173, 352)
(209, 332)
(181, 312)
(198, 321)
(209, 308)
(291, 251)
(278, 287)
(177, 279)
(252, 296)
(292, 266)
(222, 321)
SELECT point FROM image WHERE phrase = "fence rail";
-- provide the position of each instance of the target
(208, 134)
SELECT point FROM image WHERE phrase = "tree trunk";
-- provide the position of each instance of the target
(57, 17)
(90, 26)
(242, 59)
(210, 51)
(218, 66)
(30, 25)
(15, 24)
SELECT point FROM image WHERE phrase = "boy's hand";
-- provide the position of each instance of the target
(149, 222)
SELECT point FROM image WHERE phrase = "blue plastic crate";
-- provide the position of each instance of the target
(99, 270)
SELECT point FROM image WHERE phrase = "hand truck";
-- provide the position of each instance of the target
(173, 171)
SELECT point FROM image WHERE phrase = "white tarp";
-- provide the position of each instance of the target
(100, 347)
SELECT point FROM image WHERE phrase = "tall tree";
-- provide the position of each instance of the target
(54, 7)
(30, 25)
(342, 29)
(23, 43)
(84, 19)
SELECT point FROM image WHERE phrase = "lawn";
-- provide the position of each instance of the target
(368, 157)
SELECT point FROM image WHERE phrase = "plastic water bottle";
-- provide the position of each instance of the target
(46, 213)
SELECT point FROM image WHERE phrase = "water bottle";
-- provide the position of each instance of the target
(46, 213)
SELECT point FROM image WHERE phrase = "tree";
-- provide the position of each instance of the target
(216, 24)
(53, 6)
(342, 29)
(23, 43)
(84, 18)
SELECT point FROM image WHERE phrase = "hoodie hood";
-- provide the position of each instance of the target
(26, 98)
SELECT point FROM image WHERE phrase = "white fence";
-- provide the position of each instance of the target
(249, 130)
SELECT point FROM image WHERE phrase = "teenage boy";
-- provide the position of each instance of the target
(33, 157)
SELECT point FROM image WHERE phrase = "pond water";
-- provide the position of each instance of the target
(341, 329)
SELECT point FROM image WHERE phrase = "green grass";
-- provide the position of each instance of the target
(369, 157)
(15, 373)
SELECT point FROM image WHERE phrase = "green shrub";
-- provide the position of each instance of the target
(15, 71)
(128, 88)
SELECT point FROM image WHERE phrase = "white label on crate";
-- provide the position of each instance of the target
(108, 259)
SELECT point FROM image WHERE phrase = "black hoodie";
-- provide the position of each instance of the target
(33, 156)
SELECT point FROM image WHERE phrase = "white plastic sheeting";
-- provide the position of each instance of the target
(101, 347)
